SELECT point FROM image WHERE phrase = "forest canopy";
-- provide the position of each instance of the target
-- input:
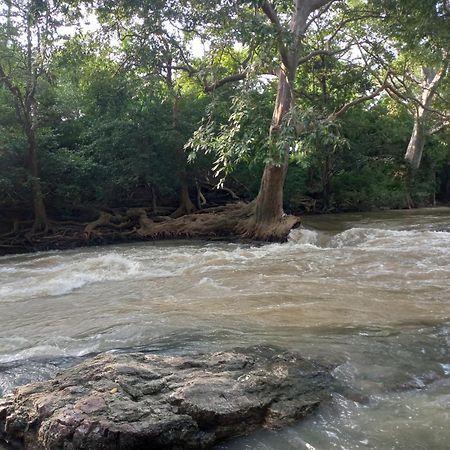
(151, 118)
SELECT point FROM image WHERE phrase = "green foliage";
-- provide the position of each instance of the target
(419, 25)
(117, 113)
(235, 130)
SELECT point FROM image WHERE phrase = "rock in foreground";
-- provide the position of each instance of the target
(146, 401)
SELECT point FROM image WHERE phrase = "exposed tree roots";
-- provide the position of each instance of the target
(236, 221)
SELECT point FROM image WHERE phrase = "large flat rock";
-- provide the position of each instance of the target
(147, 401)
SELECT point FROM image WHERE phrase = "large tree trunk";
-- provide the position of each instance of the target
(40, 213)
(268, 206)
(269, 203)
(268, 221)
(416, 143)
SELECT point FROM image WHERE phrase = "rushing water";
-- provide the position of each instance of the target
(369, 293)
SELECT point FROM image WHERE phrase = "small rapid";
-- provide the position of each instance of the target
(57, 274)
(368, 293)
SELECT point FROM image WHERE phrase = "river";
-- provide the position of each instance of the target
(368, 292)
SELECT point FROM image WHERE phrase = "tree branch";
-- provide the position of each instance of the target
(439, 127)
(272, 15)
(343, 24)
(313, 5)
(319, 14)
(229, 79)
(398, 99)
(311, 55)
(403, 99)
(6, 81)
(316, 4)
(433, 85)
(359, 100)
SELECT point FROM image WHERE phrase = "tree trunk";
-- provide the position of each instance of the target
(270, 223)
(40, 213)
(185, 206)
(417, 141)
(431, 81)
(269, 202)
(154, 202)
(409, 176)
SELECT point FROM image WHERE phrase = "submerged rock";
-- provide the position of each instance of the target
(147, 401)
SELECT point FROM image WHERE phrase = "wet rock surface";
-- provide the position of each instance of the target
(147, 401)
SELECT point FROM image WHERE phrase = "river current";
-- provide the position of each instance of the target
(369, 293)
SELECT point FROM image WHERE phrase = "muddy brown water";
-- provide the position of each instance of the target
(367, 292)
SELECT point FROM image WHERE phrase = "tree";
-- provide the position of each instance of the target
(419, 33)
(26, 39)
(269, 203)
(151, 46)
(282, 40)
(422, 110)
(155, 37)
(109, 119)
(290, 24)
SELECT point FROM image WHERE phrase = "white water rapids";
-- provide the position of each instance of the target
(369, 293)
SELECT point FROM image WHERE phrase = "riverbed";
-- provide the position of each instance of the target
(369, 293)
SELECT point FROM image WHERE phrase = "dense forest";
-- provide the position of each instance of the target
(151, 119)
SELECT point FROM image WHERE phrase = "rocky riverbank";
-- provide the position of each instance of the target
(141, 401)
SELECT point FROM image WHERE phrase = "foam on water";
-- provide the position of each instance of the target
(303, 236)
(120, 336)
(384, 238)
(58, 274)
(67, 276)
